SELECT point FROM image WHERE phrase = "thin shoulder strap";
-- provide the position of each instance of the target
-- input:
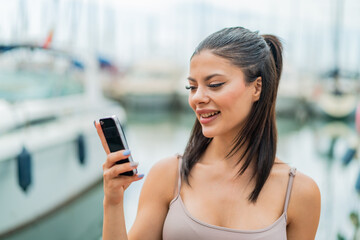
(179, 174)
(177, 193)
(289, 187)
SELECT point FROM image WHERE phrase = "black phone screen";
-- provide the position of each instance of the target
(113, 139)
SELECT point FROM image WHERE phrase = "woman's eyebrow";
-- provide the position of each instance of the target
(206, 78)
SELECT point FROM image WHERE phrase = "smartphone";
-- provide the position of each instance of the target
(115, 139)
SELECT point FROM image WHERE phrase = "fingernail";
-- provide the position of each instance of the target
(126, 152)
(134, 164)
(95, 124)
(141, 175)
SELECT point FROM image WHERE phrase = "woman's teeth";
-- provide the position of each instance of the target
(206, 115)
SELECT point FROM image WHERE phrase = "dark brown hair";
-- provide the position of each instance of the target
(257, 56)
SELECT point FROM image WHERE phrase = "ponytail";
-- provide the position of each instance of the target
(276, 51)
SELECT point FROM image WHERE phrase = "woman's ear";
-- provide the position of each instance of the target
(257, 89)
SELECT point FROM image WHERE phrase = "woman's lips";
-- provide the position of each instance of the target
(206, 120)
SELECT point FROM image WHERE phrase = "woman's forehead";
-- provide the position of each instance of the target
(207, 63)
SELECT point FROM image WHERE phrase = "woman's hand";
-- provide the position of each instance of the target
(157, 192)
(114, 183)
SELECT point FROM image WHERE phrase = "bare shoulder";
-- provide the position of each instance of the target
(304, 207)
(305, 193)
(166, 166)
(305, 188)
(162, 178)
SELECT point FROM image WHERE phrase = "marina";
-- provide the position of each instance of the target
(64, 64)
(336, 180)
(49, 150)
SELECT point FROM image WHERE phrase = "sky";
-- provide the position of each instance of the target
(126, 31)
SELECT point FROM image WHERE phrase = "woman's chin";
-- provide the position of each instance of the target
(208, 134)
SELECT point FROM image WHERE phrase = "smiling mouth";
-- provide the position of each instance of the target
(207, 115)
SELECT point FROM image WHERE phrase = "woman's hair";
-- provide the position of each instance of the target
(257, 56)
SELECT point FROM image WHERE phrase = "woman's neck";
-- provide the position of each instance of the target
(219, 149)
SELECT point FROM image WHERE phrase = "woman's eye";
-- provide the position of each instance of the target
(190, 87)
(215, 85)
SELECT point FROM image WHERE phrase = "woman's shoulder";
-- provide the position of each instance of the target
(166, 167)
(303, 186)
(305, 199)
(304, 206)
(162, 177)
(305, 193)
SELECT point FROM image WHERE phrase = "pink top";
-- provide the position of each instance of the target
(180, 224)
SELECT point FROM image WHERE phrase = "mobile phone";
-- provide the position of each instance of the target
(115, 139)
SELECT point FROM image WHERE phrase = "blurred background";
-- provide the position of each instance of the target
(66, 63)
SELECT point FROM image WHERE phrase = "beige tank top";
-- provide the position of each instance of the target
(181, 225)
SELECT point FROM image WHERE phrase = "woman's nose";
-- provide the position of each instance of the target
(200, 96)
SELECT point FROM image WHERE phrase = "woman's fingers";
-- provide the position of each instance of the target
(102, 137)
(134, 178)
(121, 182)
(117, 169)
(114, 157)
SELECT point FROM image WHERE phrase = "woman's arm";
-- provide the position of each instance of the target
(114, 187)
(157, 192)
(114, 222)
(304, 209)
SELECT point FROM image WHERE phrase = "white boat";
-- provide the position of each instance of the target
(49, 150)
(337, 98)
(148, 85)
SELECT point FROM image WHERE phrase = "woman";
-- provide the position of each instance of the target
(229, 183)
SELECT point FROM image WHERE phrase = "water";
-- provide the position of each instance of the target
(315, 148)
(82, 219)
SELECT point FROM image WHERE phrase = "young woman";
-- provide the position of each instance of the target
(228, 184)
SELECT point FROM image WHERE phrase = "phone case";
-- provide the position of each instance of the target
(116, 139)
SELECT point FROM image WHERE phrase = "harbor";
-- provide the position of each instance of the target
(64, 64)
(82, 217)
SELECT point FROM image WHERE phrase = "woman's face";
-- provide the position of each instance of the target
(219, 95)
